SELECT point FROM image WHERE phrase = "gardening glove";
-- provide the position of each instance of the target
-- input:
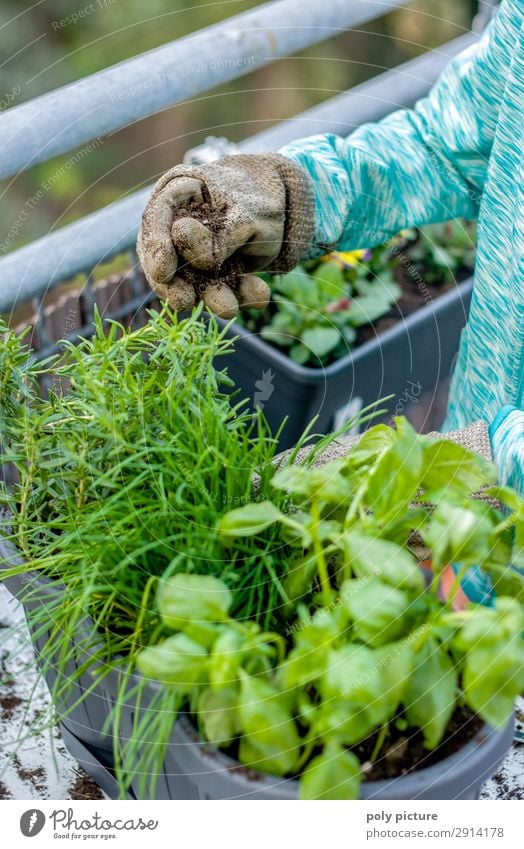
(206, 228)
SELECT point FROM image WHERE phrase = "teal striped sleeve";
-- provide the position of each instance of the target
(418, 165)
(507, 442)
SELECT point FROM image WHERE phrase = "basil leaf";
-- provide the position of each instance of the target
(204, 633)
(431, 694)
(352, 673)
(218, 714)
(186, 598)
(397, 476)
(340, 720)
(178, 660)
(270, 740)
(370, 445)
(401, 529)
(396, 664)
(517, 556)
(335, 774)
(452, 472)
(226, 658)
(507, 581)
(489, 627)
(458, 535)
(326, 482)
(368, 555)
(302, 666)
(492, 680)
(378, 611)
(321, 629)
(249, 520)
(301, 573)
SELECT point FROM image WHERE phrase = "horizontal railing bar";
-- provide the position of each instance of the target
(369, 101)
(36, 268)
(124, 93)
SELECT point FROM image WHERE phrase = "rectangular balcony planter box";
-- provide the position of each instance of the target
(415, 355)
(407, 360)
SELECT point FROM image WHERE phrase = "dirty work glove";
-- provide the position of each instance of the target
(206, 228)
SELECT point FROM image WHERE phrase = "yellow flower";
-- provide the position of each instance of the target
(346, 259)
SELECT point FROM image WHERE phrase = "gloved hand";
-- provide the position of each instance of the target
(206, 228)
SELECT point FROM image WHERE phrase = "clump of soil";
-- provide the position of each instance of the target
(505, 790)
(37, 776)
(84, 787)
(213, 217)
(404, 751)
(8, 705)
(209, 214)
(228, 275)
(4, 792)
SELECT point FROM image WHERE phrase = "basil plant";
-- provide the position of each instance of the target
(362, 645)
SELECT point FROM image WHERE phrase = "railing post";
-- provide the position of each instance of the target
(485, 12)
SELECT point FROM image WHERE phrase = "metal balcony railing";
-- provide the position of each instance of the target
(86, 110)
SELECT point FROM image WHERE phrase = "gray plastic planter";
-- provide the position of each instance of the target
(194, 769)
(86, 709)
(419, 350)
(212, 775)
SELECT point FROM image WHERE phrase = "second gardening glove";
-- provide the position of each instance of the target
(206, 229)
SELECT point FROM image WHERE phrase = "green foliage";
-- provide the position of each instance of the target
(368, 647)
(441, 250)
(378, 612)
(269, 740)
(382, 558)
(250, 520)
(432, 692)
(318, 307)
(186, 598)
(124, 472)
(178, 660)
(335, 774)
(320, 304)
(293, 628)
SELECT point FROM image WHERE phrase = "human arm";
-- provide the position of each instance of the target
(418, 165)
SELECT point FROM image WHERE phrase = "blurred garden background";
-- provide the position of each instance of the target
(48, 43)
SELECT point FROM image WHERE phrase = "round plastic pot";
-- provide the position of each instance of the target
(213, 775)
(84, 707)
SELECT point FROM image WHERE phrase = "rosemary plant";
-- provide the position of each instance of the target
(123, 472)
